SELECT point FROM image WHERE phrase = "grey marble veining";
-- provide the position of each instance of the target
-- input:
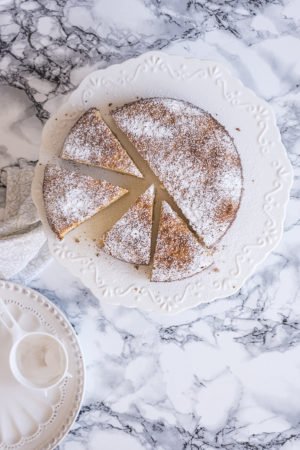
(226, 374)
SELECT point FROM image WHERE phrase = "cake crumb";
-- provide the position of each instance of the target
(76, 240)
(238, 129)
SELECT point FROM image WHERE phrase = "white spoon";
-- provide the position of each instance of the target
(37, 359)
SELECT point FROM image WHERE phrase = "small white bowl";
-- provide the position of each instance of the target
(38, 338)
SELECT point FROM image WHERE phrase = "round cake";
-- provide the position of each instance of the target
(194, 158)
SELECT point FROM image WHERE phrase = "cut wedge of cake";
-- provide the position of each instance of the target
(178, 254)
(130, 238)
(71, 198)
(90, 141)
(193, 156)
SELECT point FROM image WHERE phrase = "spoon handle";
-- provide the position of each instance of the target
(13, 325)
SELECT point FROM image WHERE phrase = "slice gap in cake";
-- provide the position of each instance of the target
(70, 198)
(130, 238)
(91, 142)
(178, 254)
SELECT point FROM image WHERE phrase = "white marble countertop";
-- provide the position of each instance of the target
(224, 375)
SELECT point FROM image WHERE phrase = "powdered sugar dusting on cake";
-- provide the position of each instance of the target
(177, 254)
(91, 142)
(194, 157)
(130, 238)
(143, 125)
(71, 198)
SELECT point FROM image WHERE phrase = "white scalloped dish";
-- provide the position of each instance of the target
(34, 418)
(266, 170)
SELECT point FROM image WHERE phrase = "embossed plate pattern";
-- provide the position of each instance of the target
(30, 419)
(266, 168)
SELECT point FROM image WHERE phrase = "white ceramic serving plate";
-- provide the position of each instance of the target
(31, 419)
(266, 168)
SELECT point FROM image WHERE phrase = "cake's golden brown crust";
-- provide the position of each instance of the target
(193, 156)
(178, 254)
(130, 238)
(71, 198)
(90, 141)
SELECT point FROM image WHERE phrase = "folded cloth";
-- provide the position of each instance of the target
(23, 247)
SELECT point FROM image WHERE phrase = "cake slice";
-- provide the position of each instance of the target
(90, 141)
(71, 198)
(130, 238)
(194, 157)
(178, 254)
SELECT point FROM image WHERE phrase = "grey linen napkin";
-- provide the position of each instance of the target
(23, 247)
